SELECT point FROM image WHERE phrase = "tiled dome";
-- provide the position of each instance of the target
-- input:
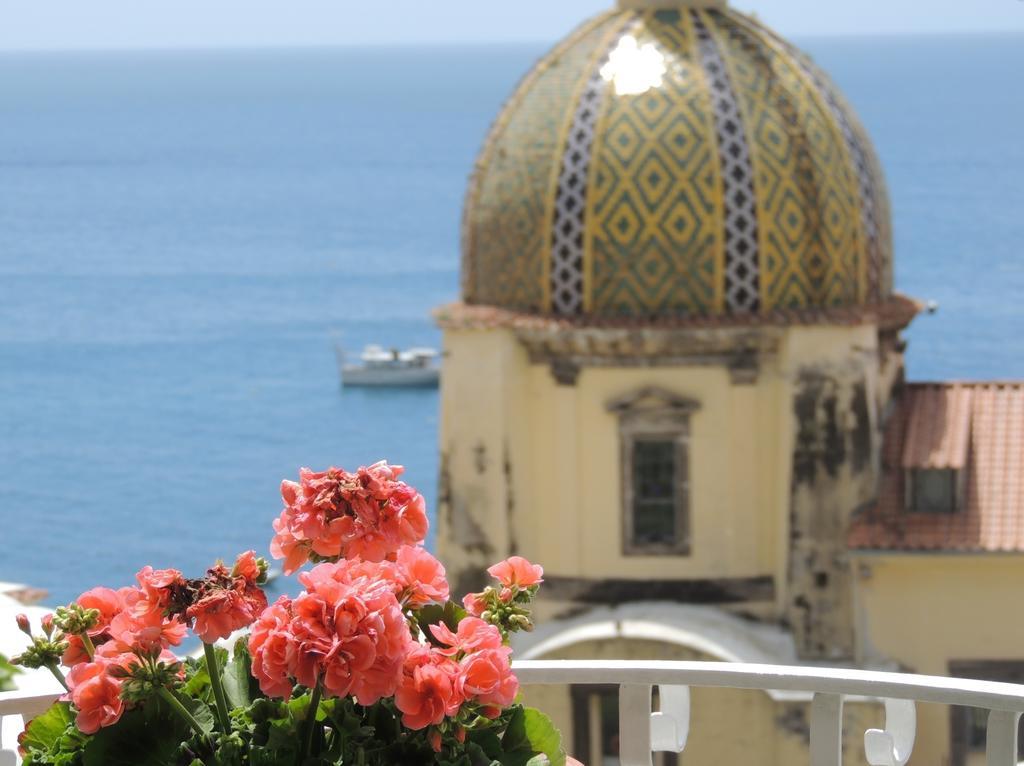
(671, 162)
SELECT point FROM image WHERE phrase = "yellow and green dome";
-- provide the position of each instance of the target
(676, 161)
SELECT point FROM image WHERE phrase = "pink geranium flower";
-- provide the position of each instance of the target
(146, 633)
(155, 590)
(247, 567)
(486, 677)
(109, 603)
(517, 571)
(473, 635)
(352, 636)
(96, 695)
(336, 514)
(421, 577)
(271, 646)
(474, 603)
(428, 693)
(346, 631)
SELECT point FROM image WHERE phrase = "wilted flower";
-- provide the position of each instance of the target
(225, 601)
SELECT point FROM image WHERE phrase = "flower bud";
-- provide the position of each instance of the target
(460, 734)
(520, 622)
(434, 737)
(491, 711)
(264, 566)
(23, 626)
(48, 624)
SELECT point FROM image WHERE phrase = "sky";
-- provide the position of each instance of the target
(77, 24)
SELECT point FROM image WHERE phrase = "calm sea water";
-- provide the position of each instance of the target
(181, 233)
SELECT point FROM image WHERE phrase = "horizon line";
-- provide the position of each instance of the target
(271, 45)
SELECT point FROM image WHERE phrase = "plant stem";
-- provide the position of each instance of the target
(218, 688)
(90, 647)
(58, 675)
(314, 707)
(181, 710)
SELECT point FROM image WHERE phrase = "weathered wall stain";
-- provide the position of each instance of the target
(833, 475)
(861, 439)
(510, 505)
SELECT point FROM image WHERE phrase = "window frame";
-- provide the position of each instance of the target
(653, 414)
(913, 502)
(961, 725)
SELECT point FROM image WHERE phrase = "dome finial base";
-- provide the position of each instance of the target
(649, 5)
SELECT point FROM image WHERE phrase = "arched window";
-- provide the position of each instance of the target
(654, 438)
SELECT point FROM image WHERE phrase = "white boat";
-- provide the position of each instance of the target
(414, 367)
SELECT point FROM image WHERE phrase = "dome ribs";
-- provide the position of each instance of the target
(742, 272)
(677, 164)
(566, 263)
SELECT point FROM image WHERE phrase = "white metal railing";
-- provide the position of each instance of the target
(15, 709)
(643, 731)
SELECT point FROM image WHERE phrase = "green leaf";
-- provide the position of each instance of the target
(45, 730)
(135, 741)
(197, 679)
(530, 733)
(487, 741)
(237, 678)
(450, 613)
(199, 710)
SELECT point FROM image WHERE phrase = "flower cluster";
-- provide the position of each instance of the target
(103, 637)
(227, 600)
(373, 629)
(114, 639)
(469, 670)
(346, 632)
(506, 605)
(335, 514)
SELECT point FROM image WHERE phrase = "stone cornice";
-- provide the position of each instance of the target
(895, 313)
(738, 343)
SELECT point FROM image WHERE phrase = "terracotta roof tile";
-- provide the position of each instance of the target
(977, 428)
(938, 426)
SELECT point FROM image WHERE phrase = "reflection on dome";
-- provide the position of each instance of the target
(634, 68)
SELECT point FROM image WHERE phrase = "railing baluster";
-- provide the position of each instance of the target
(827, 730)
(10, 725)
(1001, 738)
(670, 726)
(635, 725)
(893, 745)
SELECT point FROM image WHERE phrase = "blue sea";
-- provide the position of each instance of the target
(184, 235)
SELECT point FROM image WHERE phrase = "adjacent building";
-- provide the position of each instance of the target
(675, 378)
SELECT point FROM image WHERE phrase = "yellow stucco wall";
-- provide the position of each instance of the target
(534, 467)
(924, 611)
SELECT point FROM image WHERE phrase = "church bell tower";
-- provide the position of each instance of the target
(677, 336)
